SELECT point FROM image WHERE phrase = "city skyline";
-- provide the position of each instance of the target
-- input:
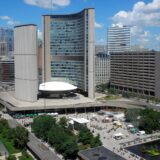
(141, 16)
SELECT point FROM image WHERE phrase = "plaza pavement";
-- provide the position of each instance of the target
(107, 130)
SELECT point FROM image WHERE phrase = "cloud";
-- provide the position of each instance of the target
(157, 37)
(48, 4)
(142, 14)
(98, 25)
(13, 22)
(141, 18)
(10, 21)
(5, 17)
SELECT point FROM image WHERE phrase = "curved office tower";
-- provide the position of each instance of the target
(68, 51)
(25, 52)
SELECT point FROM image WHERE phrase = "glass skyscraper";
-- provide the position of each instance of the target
(69, 49)
(7, 38)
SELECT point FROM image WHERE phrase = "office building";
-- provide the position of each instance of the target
(102, 65)
(26, 67)
(3, 49)
(7, 39)
(6, 71)
(137, 72)
(69, 52)
(118, 38)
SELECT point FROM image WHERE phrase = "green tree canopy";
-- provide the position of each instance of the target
(95, 141)
(63, 122)
(11, 157)
(85, 135)
(20, 137)
(42, 124)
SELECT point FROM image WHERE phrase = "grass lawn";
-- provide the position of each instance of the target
(9, 145)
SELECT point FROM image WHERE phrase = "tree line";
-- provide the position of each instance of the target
(18, 138)
(144, 119)
(62, 137)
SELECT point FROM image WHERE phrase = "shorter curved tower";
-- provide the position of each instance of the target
(25, 53)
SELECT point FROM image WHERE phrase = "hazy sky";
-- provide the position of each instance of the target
(142, 16)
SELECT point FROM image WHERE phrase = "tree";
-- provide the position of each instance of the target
(24, 156)
(63, 142)
(57, 137)
(95, 141)
(102, 87)
(70, 149)
(132, 115)
(41, 125)
(85, 135)
(63, 122)
(3, 125)
(11, 157)
(20, 137)
(149, 120)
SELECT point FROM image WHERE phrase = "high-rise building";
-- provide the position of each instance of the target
(136, 72)
(26, 68)
(69, 50)
(7, 37)
(3, 49)
(118, 38)
(102, 65)
(6, 71)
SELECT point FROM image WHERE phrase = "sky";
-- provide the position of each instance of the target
(142, 16)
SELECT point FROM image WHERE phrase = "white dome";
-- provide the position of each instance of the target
(56, 86)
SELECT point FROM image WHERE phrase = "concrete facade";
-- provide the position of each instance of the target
(68, 49)
(137, 72)
(26, 72)
(102, 66)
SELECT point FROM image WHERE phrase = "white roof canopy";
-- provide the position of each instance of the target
(80, 120)
(56, 86)
(118, 135)
(130, 126)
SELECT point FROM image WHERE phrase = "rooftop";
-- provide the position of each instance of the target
(56, 86)
(80, 120)
(99, 153)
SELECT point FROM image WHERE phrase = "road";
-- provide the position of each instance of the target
(40, 150)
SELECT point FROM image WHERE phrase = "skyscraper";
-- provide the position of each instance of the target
(118, 38)
(26, 68)
(69, 49)
(6, 71)
(7, 38)
(3, 48)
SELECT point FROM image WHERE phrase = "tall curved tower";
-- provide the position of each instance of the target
(25, 53)
(69, 52)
